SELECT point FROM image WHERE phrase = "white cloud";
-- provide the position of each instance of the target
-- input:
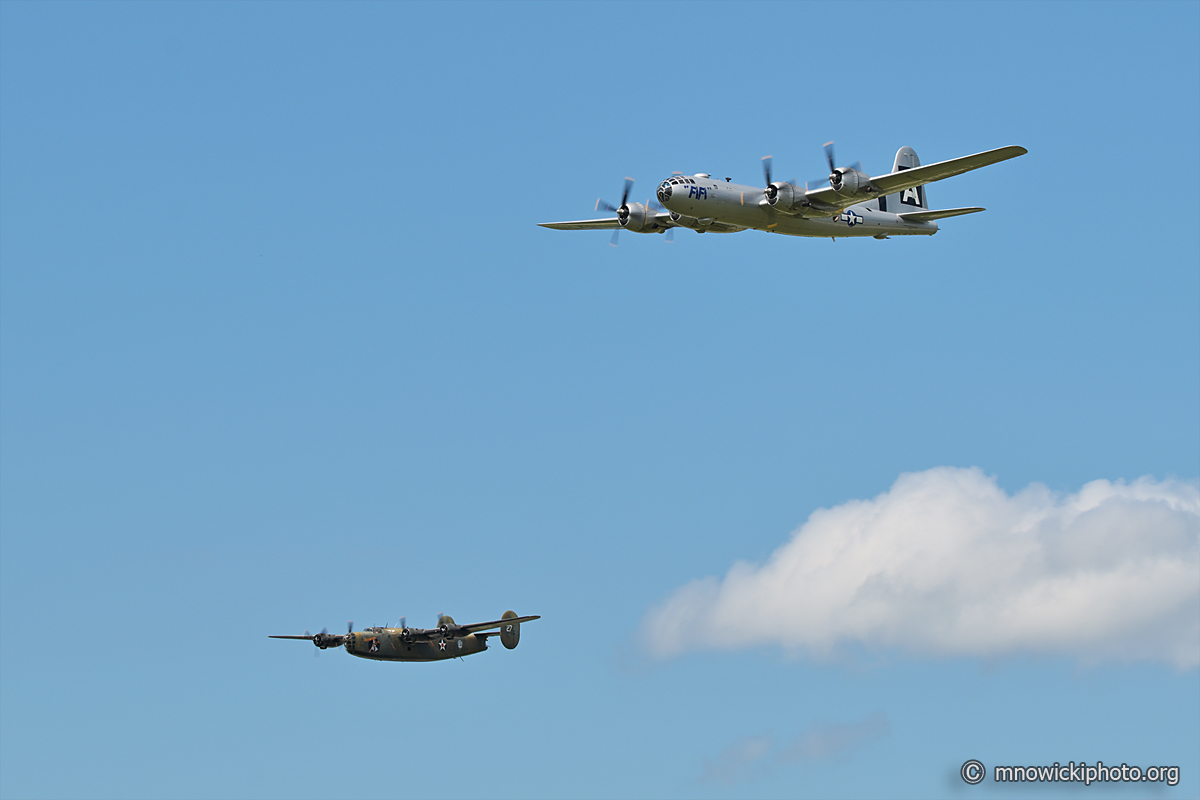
(738, 760)
(751, 757)
(833, 740)
(947, 563)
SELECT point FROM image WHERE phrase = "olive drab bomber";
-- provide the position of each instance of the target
(447, 640)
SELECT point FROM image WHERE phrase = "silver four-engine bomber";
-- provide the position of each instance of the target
(852, 204)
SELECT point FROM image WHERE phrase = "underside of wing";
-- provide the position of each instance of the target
(929, 216)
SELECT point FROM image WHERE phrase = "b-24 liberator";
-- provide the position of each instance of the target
(447, 640)
(852, 204)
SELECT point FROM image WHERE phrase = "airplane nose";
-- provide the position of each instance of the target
(664, 192)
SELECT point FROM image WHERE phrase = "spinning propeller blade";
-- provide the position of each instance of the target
(857, 165)
(622, 211)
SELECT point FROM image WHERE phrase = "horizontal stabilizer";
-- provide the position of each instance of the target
(930, 216)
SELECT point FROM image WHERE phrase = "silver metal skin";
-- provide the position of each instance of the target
(852, 204)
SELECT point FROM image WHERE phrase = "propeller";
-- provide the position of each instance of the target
(771, 192)
(856, 166)
(622, 211)
(403, 623)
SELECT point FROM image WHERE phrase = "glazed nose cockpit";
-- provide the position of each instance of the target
(668, 187)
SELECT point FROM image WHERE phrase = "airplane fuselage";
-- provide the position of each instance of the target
(700, 201)
(394, 644)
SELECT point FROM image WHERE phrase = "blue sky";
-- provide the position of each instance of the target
(282, 346)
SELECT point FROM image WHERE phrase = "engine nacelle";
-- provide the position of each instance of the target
(327, 640)
(784, 197)
(510, 632)
(848, 182)
(637, 218)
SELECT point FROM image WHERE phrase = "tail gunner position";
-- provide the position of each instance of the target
(852, 204)
(447, 640)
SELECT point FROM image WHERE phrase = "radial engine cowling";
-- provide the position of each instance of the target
(510, 632)
(326, 640)
(784, 197)
(637, 218)
(848, 181)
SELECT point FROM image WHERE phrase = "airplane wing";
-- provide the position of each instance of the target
(917, 176)
(608, 223)
(309, 638)
(462, 630)
(483, 626)
(584, 224)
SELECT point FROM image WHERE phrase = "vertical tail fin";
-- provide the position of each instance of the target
(909, 199)
(510, 634)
